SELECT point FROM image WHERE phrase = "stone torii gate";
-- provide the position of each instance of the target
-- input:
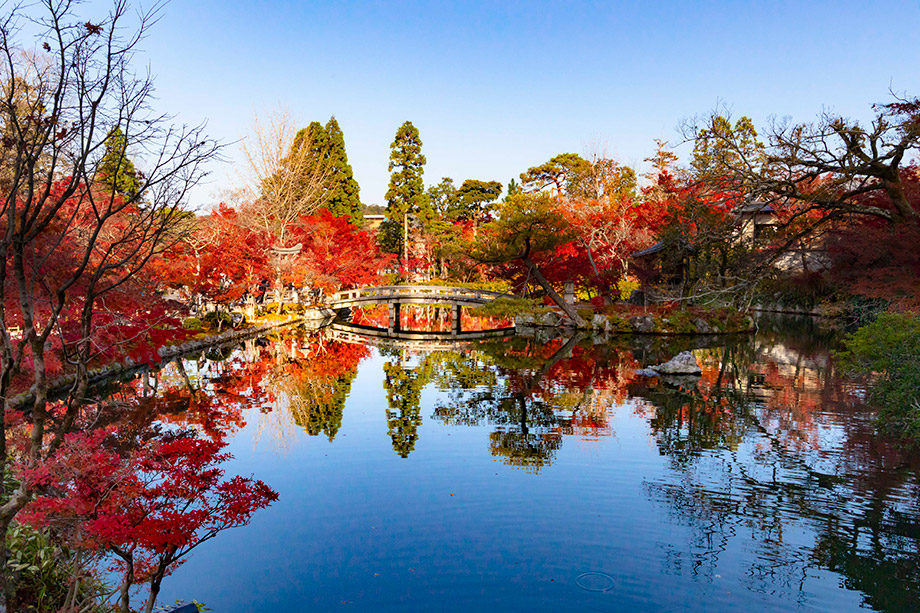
(395, 295)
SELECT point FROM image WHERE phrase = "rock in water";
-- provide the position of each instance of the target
(684, 363)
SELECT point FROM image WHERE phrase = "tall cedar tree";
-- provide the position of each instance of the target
(406, 196)
(116, 169)
(343, 189)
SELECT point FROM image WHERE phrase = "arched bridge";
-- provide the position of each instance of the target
(395, 295)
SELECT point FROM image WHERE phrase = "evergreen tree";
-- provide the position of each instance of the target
(720, 147)
(318, 138)
(441, 195)
(406, 197)
(513, 188)
(343, 189)
(312, 168)
(115, 169)
(472, 201)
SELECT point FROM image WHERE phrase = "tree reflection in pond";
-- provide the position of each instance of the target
(318, 382)
(404, 385)
(540, 393)
(772, 470)
(771, 445)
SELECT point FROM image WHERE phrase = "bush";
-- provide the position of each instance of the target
(495, 285)
(218, 320)
(888, 351)
(193, 324)
(43, 572)
(508, 308)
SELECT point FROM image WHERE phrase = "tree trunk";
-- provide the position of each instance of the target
(405, 241)
(895, 190)
(157, 580)
(562, 304)
(124, 590)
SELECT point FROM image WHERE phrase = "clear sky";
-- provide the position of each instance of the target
(497, 87)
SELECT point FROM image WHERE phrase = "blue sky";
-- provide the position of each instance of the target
(496, 87)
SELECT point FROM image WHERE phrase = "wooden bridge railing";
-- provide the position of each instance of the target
(395, 295)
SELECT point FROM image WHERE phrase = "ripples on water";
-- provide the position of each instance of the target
(511, 474)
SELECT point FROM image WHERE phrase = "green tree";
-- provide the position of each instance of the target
(720, 147)
(406, 197)
(526, 225)
(404, 392)
(554, 174)
(513, 187)
(343, 189)
(441, 195)
(116, 169)
(473, 200)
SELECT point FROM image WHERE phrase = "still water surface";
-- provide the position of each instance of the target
(519, 475)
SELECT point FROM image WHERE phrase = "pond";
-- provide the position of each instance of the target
(524, 474)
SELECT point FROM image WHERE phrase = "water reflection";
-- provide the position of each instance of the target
(772, 469)
(772, 447)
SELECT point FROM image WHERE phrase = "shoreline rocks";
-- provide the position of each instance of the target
(673, 323)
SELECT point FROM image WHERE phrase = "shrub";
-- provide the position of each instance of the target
(888, 350)
(218, 320)
(508, 308)
(193, 324)
(43, 573)
(619, 324)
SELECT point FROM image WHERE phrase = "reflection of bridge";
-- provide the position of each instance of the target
(395, 295)
(411, 339)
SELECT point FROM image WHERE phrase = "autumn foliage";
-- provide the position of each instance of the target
(147, 506)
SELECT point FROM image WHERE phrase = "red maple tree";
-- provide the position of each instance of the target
(149, 506)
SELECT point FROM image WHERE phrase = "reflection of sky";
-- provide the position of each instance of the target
(453, 528)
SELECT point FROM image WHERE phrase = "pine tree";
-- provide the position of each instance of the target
(720, 147)
(343, 189)
(406, 197)
(115, 169)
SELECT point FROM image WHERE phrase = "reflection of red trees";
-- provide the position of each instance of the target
(585, 384)
(428, 318)
(326, 361)
(217, 409)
